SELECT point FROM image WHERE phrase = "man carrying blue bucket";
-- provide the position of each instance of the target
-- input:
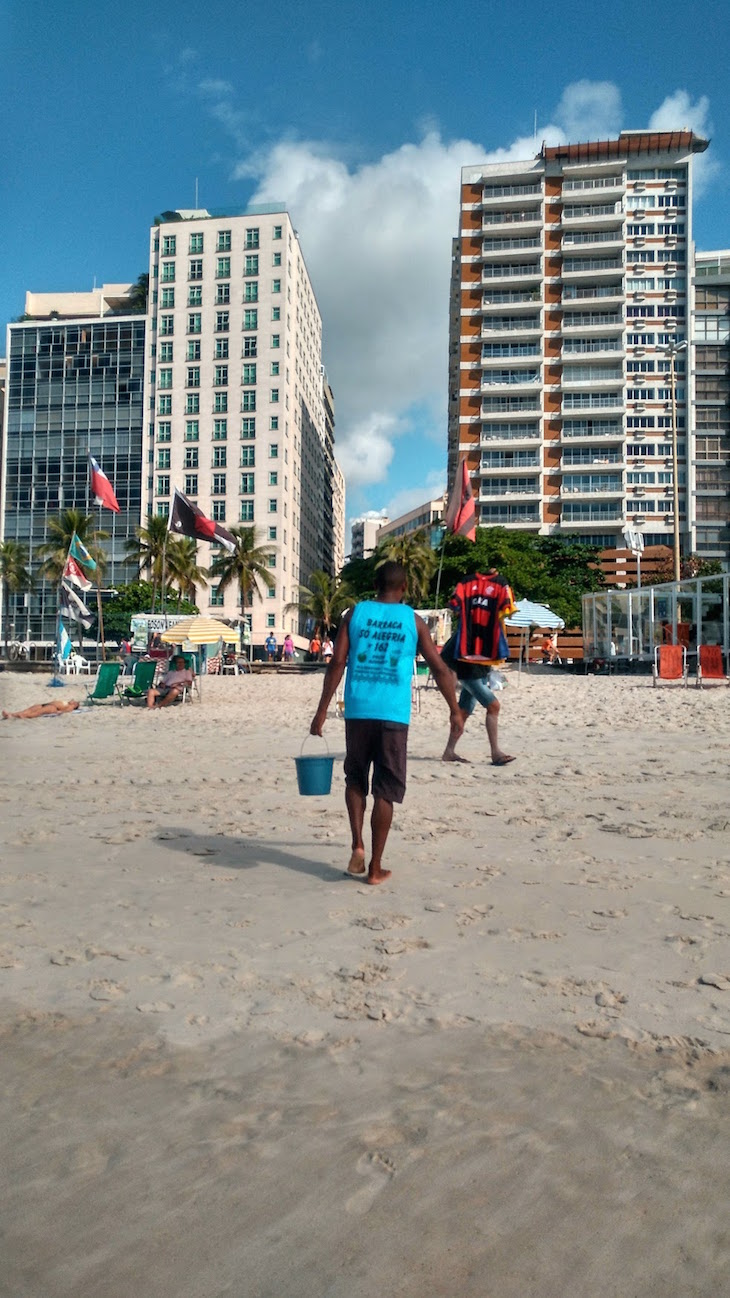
(377, 643)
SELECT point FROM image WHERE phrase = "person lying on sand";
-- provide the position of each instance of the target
(43, 710)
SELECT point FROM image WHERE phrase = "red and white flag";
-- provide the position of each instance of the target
(101, 488)
(461, 513)
(74, 572)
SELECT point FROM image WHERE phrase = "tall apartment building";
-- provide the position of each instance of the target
(571, 291)
(428, 515)
(240, 416)
(364, 535)
(74, 384)
(711, 421)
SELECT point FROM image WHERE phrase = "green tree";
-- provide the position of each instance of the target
(244, 568)
(54, 550)
(359, 576)
(148, 550)
(133, 597)
(137, 299)
(324, 600)
(412, 550)
(14, 576)
(182, 567)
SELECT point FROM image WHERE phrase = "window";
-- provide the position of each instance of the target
(277, 232)
(223, 268)
(643, 285)
(248, 457)
(249, 374)
(251, 290)
(163, 485)
(164, 432)
(163, 507)
(220, 430)
(273, 506)
(248, 400)
(249, 346)
(191, 484)
(196, 243)
(272, 533)
(247, 511)
(218, 508)
(163, 457)
(193, 377)
(274, 423)
(192, 403)
(167, 301)
(222, 294)
(166, 352)
(221, 349)
(275, 340)
(192, 430)
(169, 244)
(222, 322)
(193, 353)
(195, 269)
(220, 403)
(224, 241)
(273, 479)
(251, 265)
(276, 313)
(276, 286)
(164, 405)
(271, 592)
(219, 484)
(164, 379)
(195, 295)
(219, 457)
(274, 397)
(248, 428)
(247, 484)
(168, 272)
(252, 238)
(273, 450)
(167, 325)
(195, 323)
(250, 319)
(271, 560)
(276, 259)
(191, 457)
(275, 369)
(221, 376)
(271, 619)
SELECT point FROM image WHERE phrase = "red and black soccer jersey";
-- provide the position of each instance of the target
(481, 602)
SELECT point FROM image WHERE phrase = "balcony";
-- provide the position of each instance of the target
(590, 431)
(590, 401)
(514, 325)
(586, 184)
(509, 196)
(498, 431)
(611, 348)
(509, 462)
(577, 458)
(596, 376)
(593, 266)
(493, 221)
(503, 272)
(596, 321)
(496, 488)
(515, 245)
(502, 299)
(608, 239)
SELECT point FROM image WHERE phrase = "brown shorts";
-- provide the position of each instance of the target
(382, 745)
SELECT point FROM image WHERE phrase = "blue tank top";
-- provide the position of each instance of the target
(383, 643)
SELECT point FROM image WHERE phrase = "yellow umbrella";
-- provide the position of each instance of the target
(199, 630)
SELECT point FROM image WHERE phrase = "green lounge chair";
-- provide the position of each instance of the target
(104, 683)
(142, 680)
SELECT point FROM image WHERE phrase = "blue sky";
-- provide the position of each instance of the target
(358, 117)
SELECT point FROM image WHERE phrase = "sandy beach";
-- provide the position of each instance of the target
(231, 1071)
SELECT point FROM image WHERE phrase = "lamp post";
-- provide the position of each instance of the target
(673, 348)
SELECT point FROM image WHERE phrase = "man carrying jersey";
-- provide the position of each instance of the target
(377, 643)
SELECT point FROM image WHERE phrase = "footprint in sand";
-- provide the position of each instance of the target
(379, 1170)
(105, 990)
(155, 1007)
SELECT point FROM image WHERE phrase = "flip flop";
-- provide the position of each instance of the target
(503, 761)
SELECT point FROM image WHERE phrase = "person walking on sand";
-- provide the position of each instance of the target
(482, 601)
(377, 643)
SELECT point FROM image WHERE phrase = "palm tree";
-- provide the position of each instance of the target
(137, 297)
(324, 599)
(182, 567)
(149, 549)
(246, 566)
(54, 550)
(413, 551)
(14, 575)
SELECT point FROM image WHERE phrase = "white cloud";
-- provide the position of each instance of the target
(677, 112)
(589, 110)
(411, 497)
(365, 455)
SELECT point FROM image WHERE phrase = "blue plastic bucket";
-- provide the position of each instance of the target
(314, 775)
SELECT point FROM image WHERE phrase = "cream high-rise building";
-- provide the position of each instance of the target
(240, 418)
(571, 299)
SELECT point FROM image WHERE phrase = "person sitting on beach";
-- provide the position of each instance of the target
(172, 684)
(549, 648)
(53, 709)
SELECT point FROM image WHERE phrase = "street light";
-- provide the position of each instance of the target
(673, 348)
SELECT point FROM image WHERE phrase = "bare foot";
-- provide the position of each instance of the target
(378, 876)
(454, 757)
(503, 759)
(357, 861)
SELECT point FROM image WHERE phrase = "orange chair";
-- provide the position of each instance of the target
(710, 665)
(670, 664)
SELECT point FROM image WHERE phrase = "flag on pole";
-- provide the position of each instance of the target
(461, 513)
(74, 573)
(71, 605)
(186, 519)
(77, 550)
(101, 487)
(63, 647)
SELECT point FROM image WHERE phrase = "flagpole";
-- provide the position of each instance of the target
(441, 564)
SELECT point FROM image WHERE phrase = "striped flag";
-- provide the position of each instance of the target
(461, 513)
(77, 550)
(101, 488)
(63, 647)
(72, 606)
(74, 573)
